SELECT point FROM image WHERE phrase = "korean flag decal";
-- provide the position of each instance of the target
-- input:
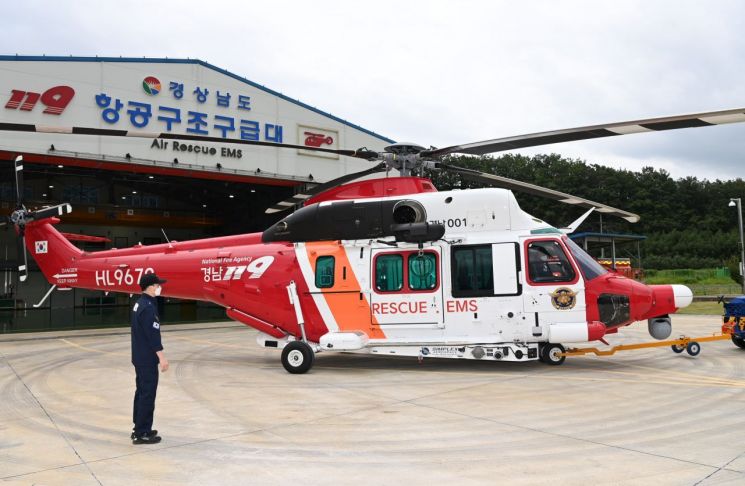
(40, 246)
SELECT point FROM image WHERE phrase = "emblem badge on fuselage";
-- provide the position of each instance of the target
(564, 298)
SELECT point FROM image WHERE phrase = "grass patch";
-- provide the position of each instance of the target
(702, 281)
(705, 308)
(706, 289)
(688, 276)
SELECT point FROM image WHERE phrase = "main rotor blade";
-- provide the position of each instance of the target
(19, 180)
(594, 131)
(107, 132)
(507, 183)
(51, 211)
(299, 198)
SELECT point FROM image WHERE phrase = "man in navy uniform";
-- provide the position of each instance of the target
(147, 354)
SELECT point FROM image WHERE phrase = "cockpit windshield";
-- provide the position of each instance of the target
(590, 268)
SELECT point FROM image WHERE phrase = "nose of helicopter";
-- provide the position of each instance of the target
(669, 298)
(683, 296)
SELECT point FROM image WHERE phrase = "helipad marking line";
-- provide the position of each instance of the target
(680, 379)
(86, 348)
(646, 381)
(672, 373)
(682, 374)
(204, 341)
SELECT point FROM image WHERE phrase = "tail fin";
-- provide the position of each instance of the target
(52, 251)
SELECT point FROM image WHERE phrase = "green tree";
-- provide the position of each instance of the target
(686, 221)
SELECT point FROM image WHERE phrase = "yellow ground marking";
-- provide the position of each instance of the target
(646, 380)
(684, 376)
(669, 373)
(204, 341)
(86, 348)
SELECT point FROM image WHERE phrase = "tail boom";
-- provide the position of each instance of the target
(56, 256)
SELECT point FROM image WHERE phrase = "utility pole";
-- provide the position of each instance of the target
(736, 201)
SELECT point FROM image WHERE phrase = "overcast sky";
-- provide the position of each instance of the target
(443, 73)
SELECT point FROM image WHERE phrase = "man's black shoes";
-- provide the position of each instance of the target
(146, 439)
(151, 437)
(152, 432)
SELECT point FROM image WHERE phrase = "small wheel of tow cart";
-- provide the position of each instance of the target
(693, 348)
(552, 354)
(678, 348)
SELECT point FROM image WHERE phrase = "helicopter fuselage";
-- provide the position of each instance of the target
(492, 283)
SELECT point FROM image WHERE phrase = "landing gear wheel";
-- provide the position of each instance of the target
(551, 352)
(297, 357)
(693, 348)
(678, 348)
(738, 341)
(540, 353)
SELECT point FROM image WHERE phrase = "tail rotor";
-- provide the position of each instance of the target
(21, 216)
(22, 263)
(18, 218)
(19, 181)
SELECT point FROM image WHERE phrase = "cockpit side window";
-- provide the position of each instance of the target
(547, 263)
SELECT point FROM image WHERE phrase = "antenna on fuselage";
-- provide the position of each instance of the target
(575, 224)
(166, 236)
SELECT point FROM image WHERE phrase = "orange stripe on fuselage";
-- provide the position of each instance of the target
(351, 312)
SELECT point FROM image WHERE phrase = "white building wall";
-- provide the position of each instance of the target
(123, 80)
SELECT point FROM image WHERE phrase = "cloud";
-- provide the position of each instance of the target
(442, 73)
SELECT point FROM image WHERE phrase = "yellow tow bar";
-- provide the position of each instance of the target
(683, 343)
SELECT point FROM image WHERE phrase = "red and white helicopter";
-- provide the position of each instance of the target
(389, 266)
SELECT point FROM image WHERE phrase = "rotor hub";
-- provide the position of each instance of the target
(403, 157)
(19, 216)
(404, 148)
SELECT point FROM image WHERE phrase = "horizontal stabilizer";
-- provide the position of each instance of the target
(86, 238)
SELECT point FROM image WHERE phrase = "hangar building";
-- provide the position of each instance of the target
(133, 190)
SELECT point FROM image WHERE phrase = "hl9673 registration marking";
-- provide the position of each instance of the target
(120, 276)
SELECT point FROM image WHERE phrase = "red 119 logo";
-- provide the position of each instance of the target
(55, 99)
